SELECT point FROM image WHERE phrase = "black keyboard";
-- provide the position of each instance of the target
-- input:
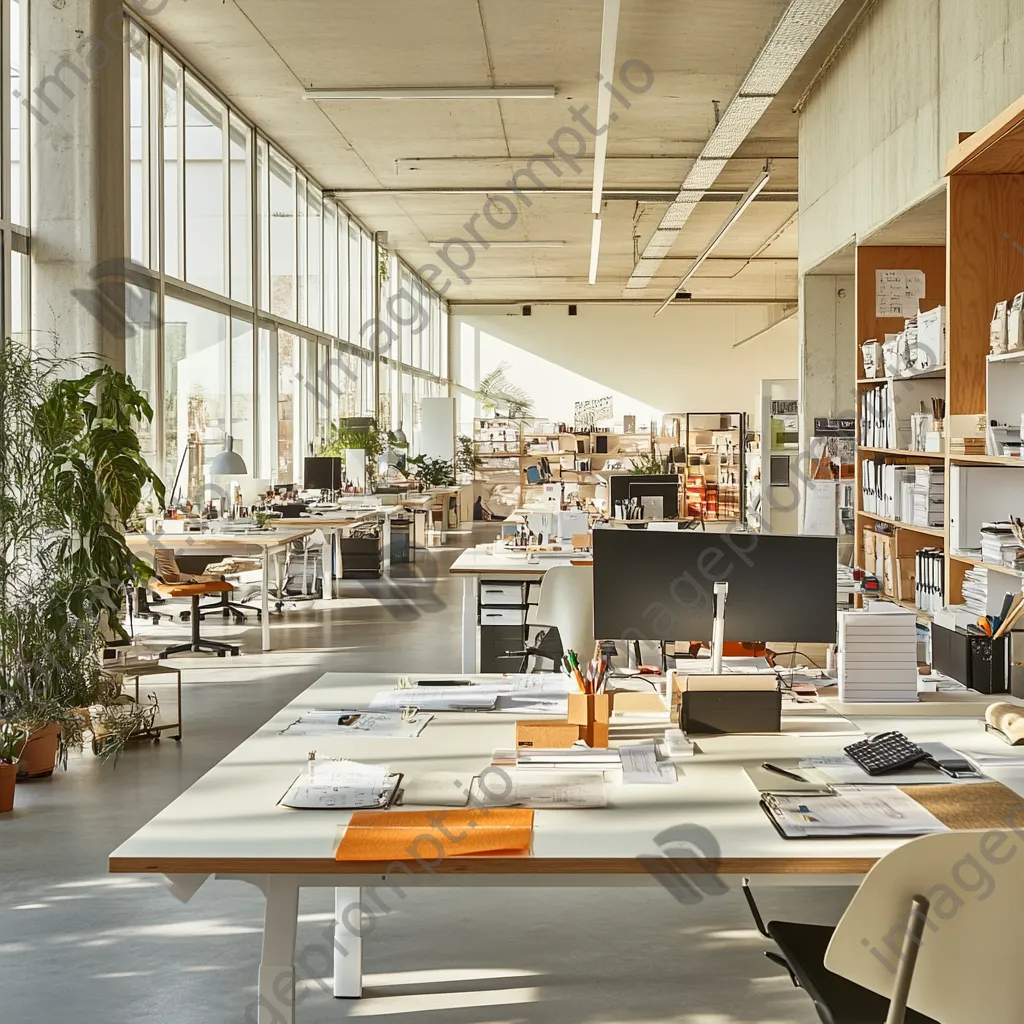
(887, 752)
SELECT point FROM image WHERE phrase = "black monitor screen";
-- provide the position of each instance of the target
(659, 586)
(322, 473)
(619, 484)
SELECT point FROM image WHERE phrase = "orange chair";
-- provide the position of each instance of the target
(171, 582)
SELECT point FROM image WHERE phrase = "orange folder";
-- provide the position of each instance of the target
(430, 836)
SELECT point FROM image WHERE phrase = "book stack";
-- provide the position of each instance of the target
(929, 495)
(999, 545)
(975, 590)
(878, 654)
(967, 446)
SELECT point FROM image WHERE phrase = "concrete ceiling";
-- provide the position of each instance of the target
(389, 159)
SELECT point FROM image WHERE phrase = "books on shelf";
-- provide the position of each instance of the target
(878, 654)
(967, 446)
(888, 410)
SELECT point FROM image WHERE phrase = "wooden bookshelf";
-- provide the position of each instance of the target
(926, 531)
(901, 454)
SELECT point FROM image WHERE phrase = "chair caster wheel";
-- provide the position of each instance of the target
(156, 739)
(184, 616)
(234, 654)
(220, 654)
(259, 616)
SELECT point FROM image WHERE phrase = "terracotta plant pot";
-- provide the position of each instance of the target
(38, 757)
(8, 776)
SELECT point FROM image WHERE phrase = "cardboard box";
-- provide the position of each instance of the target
(727, 705)
(546, 735)
(869, 550)
(906, 579)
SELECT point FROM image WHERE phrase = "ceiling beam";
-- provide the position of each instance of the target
(632, 195)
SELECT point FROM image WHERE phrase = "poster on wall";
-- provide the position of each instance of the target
(897, 292)
(588, 414)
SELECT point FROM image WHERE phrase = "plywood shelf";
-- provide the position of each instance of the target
(928, 531)
(902, 454)
(935, 373)
(988, 460)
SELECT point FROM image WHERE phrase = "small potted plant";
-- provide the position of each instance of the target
(11, 740)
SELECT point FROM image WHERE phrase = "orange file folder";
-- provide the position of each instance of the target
(430, 836)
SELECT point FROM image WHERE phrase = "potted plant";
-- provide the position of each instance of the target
(71, 474)
(11, 740)
(465, 457)
(433, 472)
(375, 442)
(496, 392)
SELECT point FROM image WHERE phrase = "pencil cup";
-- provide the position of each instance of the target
(591, 713)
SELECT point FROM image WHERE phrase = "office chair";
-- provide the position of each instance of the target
(895, 959)
(566, 603)
(170, 582)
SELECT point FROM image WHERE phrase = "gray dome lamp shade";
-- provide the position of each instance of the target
(228, 462)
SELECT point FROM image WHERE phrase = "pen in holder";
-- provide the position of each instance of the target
(591, 713)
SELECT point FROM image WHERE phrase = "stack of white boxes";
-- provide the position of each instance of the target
(878, 654)
(929, 495)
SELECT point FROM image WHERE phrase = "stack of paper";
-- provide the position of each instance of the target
(878, 654)
(851, 811)
(540, 790)
(562, 759)
(999, 546)
(929, 495)
(536, 694)
(341, 783)
(975, 590)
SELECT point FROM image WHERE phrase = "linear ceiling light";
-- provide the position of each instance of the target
(595, 250)
(793, 36)
(468, 92)
(741, 207)
(522, 244)
(606, 73)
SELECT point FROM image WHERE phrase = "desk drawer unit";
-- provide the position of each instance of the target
(501, 594)
(503, 616)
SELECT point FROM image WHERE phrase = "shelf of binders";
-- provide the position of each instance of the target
(928, 531)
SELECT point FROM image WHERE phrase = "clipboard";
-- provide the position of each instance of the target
(328, 801)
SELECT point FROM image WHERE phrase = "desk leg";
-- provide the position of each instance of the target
(470, 657)
(348, 945)
(385, 565)
(276, 1003)
(265, 602)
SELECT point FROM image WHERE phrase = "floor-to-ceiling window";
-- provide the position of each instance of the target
(255, 292)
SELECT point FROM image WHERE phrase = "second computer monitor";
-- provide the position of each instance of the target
(666, 495)
(621, 485)
(660, 586)
(323, 473)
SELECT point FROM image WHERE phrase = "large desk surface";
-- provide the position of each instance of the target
(181, 542)
(230, 821)
(481, 562)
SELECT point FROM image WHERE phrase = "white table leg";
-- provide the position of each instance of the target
(385, 565)
(470, 654)
(348, 945)
(265, 601)
(277, 963)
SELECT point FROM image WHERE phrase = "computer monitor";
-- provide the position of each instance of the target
(660, 586)
(323, 473)
(667, 492)
(619, 484)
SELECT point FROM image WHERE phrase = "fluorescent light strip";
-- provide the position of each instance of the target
(524, 244)
(469, 92)
(752, 193)
(796, 31)
(595, 251)
(609, 33)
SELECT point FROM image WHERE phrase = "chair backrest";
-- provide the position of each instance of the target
(968, 961)
(166, 566)
(567, 603)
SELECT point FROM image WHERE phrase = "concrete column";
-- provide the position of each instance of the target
(827, 352)
(78, 178)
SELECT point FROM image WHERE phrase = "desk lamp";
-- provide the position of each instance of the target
(228, 462)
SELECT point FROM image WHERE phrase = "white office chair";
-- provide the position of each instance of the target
(567, 604)
(964, 969)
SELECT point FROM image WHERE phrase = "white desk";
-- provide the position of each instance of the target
(228, 825)
(266, 546)
(336, 525)
(475, 564)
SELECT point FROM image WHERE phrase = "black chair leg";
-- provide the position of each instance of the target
(197, 644)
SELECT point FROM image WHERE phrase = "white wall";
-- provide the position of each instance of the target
(875, 132)
(683, 361)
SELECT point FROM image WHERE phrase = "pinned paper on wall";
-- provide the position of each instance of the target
(897, 292)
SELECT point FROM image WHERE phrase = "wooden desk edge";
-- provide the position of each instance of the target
(488, 865)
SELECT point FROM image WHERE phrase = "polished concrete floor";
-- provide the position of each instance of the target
(77, 944)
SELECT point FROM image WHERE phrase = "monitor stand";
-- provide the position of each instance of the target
(718, 628)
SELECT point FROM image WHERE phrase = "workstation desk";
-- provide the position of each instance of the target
(229, 826)
(477, 566)
(268, 546)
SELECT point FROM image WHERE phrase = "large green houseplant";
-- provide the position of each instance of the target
(71, 474)
(375, 442)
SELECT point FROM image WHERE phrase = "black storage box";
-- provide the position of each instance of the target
(979, 662)
(720, 705)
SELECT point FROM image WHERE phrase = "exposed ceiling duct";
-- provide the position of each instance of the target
(792, 38)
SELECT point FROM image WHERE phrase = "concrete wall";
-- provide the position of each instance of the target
(682, 361)
(875, 132)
